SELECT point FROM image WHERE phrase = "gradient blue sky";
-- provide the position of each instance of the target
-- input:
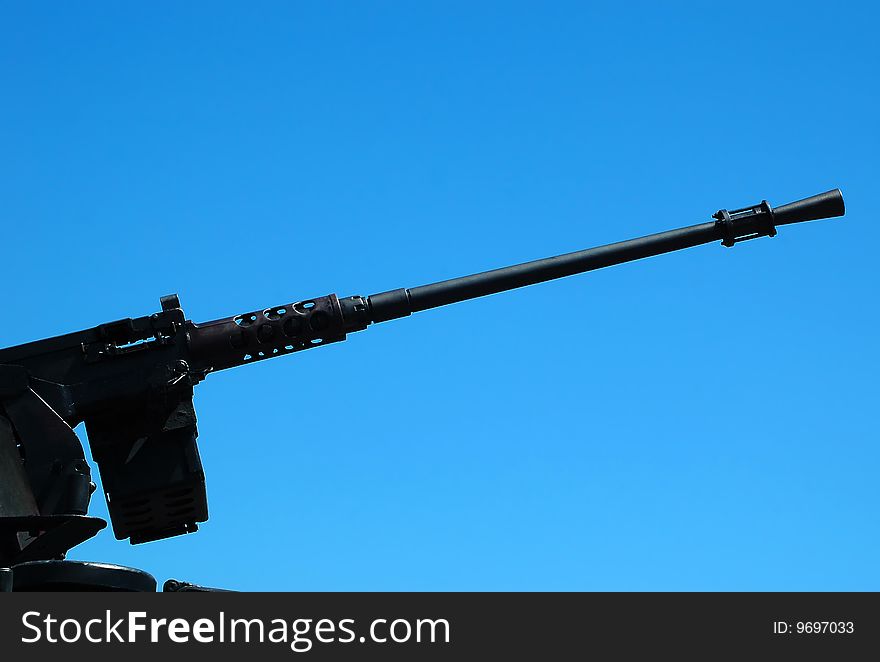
(701, 420)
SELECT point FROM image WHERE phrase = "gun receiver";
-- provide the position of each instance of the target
(131, 382)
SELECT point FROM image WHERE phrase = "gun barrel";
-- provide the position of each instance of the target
(729, 227)
(402, 302)
(262, 334)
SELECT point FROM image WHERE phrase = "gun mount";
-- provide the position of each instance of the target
(131, 382)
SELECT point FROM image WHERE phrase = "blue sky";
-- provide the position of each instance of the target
(704, 420)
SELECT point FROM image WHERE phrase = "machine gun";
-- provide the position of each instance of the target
(131, 382)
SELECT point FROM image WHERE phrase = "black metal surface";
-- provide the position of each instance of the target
(49, 536)
(80, 576)
(151, 468)
(399, 303)
(55, 464)
(262, 334)
(175, 586)
(824, 205)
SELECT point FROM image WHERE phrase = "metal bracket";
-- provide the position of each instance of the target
(746, 223)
